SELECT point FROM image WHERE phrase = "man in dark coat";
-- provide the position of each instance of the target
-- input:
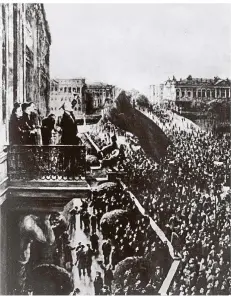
(69, 137)
(94, 242)
(69, 126)
(81, 261)
(98, 283)
(93, 223)
(106, 248)
(27, 127)
(89, 254)
(48, 124)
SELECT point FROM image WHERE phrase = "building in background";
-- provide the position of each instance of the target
(24, 76)
(63, 90)
(100, 92)
(185, 91)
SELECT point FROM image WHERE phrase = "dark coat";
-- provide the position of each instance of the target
(47, 127)
(69, 129)
(15, 130)
(27, 127)
(98, 285)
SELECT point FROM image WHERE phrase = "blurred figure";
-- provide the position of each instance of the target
(48, 125)
(94, 242)
(15, 130)
(98, 283)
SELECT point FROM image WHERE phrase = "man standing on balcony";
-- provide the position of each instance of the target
(69, 137)
(68, 125)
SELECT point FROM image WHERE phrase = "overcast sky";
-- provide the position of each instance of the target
(135, 45)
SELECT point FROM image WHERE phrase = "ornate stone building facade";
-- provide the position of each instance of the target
(63, 90)
(199, 89)
(190, 89)
(100, 92)
(24, 76)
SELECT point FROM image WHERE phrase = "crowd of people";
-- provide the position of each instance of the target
(132, 236)
(184, 194)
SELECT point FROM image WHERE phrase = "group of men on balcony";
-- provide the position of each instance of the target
(27, 127)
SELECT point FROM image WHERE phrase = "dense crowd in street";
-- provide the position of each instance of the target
(184, 195)
(124, 236)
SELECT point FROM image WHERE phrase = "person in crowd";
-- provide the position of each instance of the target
(93, 223)
(94, 242)
(72, 222)
(86, 221)
(81, 261)
(89, 254)
(106, 248)
(98, 283)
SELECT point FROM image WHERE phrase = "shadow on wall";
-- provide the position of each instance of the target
(152, 139)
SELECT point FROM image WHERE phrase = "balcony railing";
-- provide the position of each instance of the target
(53, 162)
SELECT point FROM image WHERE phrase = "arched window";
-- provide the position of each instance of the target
(208, 93)
(199, 93)
(203, 93)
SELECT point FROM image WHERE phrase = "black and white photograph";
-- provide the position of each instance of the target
(115, 148)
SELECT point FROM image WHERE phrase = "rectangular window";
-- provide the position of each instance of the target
(78, 90)
(69, 89)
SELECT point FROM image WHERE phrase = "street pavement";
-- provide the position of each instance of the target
(85, 284)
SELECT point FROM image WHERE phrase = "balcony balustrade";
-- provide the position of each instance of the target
(53, 162)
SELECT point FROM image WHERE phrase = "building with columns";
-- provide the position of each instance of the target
(24, 76)
(202, 89)
(190, 89)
